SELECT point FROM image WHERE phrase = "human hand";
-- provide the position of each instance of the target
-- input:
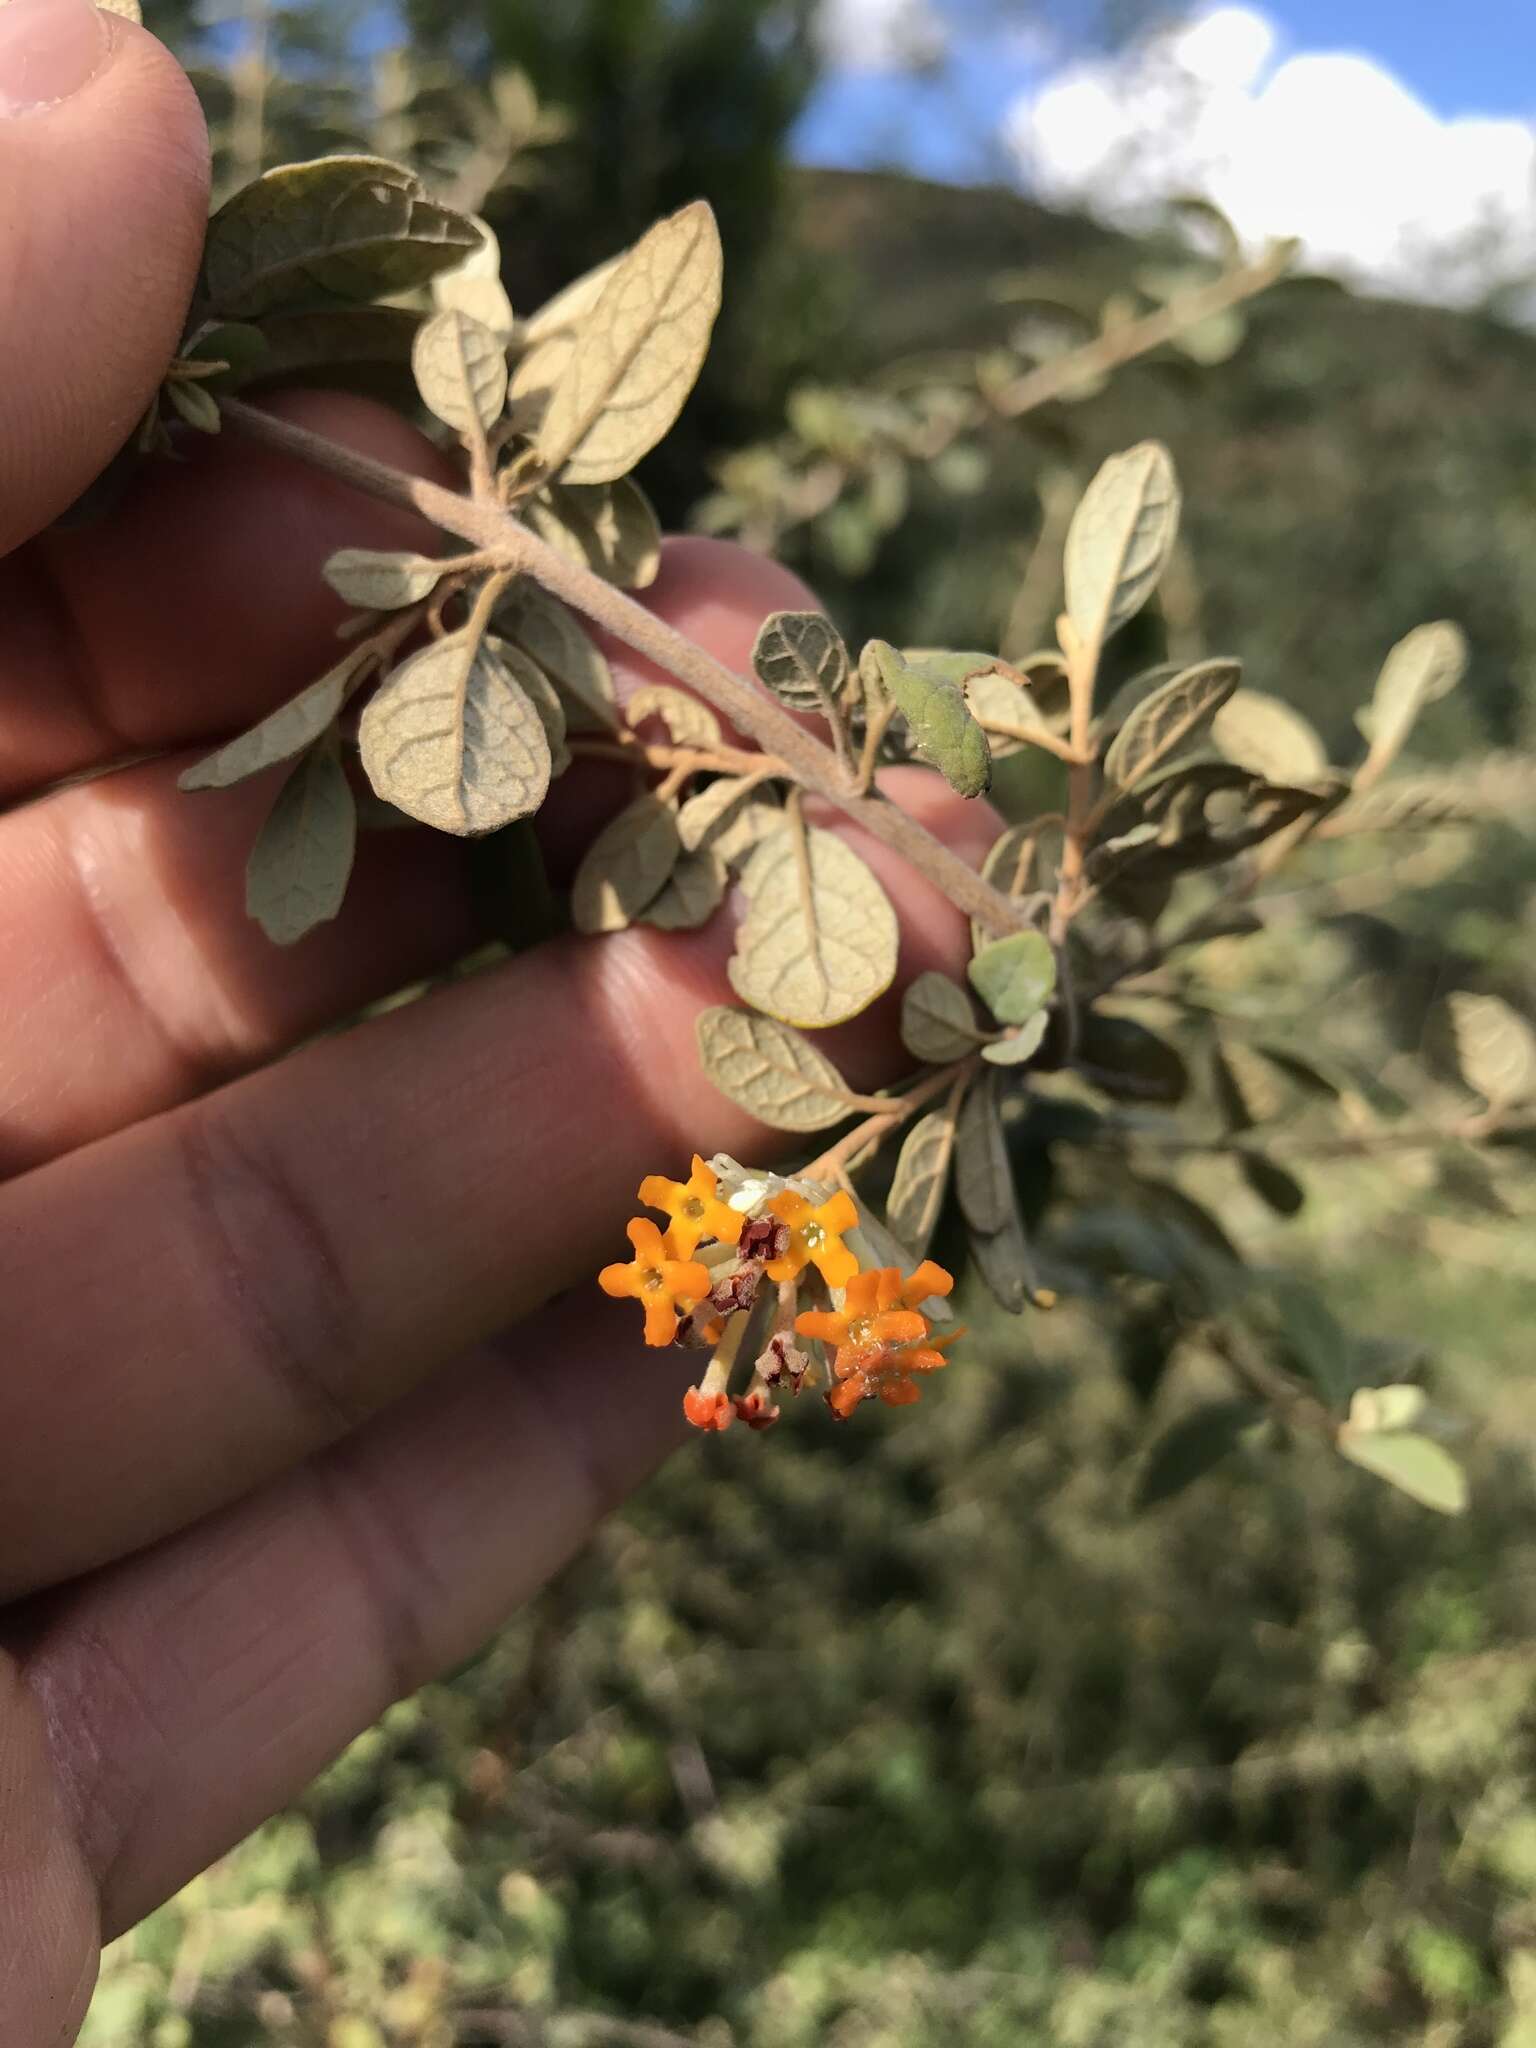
(265, 1463)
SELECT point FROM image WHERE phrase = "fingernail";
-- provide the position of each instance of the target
(48, 50)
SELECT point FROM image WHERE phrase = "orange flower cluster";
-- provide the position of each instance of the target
(700, 1283)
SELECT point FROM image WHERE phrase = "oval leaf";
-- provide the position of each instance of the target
(771, 1071)
(690, 722)
(610, 529)
(637, 353)
(1275, 1185)
(800, 656)
(343, 227)
(461, 371)
(982, 1171)
(1015, 977)
(1169, 720)
(1415, 1465)
(1264, 735)
(549, 635)
(1423, 667)
(451, 739)
(299, 868)
(819, 942)
(693, 893)
(1120, 539)
(626, 867)
(922, 1180)
(1020, 1046)
(288, 731)
(374, 582)
(1494, 1047)
(1193, 1446)
(938, 1023)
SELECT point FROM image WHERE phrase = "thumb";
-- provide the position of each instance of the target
(103, 203)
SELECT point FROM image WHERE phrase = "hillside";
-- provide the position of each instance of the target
(1357, 467)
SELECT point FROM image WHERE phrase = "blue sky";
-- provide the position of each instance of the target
(1476, 57)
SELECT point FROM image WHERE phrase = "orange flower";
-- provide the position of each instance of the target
(694, 1206)
(665, 1284)
(815, 1237)
(708, 1411)
(880, 1337)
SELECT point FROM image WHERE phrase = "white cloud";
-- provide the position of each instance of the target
(1325, 145)
(880, 35)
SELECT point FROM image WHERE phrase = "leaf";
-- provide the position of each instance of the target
(1002, 1258)
(1275, 1185)
(819, 941)
(1377, 1408)
(541, 694)
(461, 371)
(998, 701)
(1020, 1046)
(917, 1193)
(1423, 667)
(1130, 1062)
(693, 893)
(637, 353)
(453, 740)
(1120, 539)
(1194, 1445)
(549, 336)
(1494, 1047)
(1415, 1465)
(549, 635)
(474, 286)
(329, 346)
(800, 656)
(302, 861)
(286, 732)
(938, 717)
(626, 867)
(610, 530)
(198, 408)
(711, 818)
(690, 722)
(1169, 720)
(1015, 976)
(771, 1071)
(983, 1175)
(1264, 735)
(1403, 806)
(938, 1023)
(342, 227)
(1245, 1086)
(374, 582)
(128, 9)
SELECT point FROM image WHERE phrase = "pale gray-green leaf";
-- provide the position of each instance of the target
(378, 582)
(638, 352)
(549, 635)
(1423, 667)
(1021, 1045)
(626, 867)
(938, 1023)
(690, 722)
(610, 529)
(1415, 1465)
(771, 1071)
(820, 940)
(474, 286)
(1015, 976)
(1120, 539)
(1494, 1047)
(922, 1179)
(548, 338)
(452, 739)
(705, 818)
(693, 893)
(1267, 737)
(348, 227)
(983, 1175)
(800, 656)
(461, 371)
(286, 732)
(1170, 719)
(1393, 1407)
(541, 694)
(299, 868)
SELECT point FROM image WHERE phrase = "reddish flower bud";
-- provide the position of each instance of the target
(708, 1411)
(755, 1412)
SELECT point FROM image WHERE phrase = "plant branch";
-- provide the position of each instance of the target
(814, 766)
(1123, 345)
(888, 1114)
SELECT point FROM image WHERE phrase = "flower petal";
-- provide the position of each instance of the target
(619, 1281)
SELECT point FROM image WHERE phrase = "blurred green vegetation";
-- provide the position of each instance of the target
(913, 1734)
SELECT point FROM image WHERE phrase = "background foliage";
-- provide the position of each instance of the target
(908, 1735)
